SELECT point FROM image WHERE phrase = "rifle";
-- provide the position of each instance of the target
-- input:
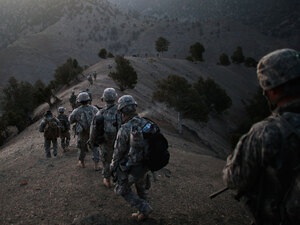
(218, 192)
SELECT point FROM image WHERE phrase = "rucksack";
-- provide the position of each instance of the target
(106, 126)
(158, 154)
(51, 129)
(64, 122)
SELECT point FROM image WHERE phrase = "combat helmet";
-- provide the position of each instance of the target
(109, 95)
(83, 97)
(126, 100)
(277, 68)
(61, 109)
(48, 113)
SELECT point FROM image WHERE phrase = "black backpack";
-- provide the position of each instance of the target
(158, 156)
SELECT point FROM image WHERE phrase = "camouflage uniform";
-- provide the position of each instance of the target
(65, 130)
(135, 174)
(72, 101)
(111, 122)
(47, 141)
(83, 116)
(95, 75)
(90, 79)
(262, 166)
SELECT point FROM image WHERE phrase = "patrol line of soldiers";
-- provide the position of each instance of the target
(264, 168)
(110, 129)
(90, 77)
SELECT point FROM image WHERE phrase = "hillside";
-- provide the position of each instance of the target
(35, 190)
(79, 30)
(279, 18)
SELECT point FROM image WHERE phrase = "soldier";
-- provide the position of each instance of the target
(83, 117)
(90, 95)
(95, 75)
(126, 175)
(90, 79)
(108, 120)
(50, 127)
(65, 129)
(265, 163)
(72, 100)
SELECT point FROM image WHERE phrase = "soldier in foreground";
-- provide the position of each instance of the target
(104, 130)
(264, 167)
(126, 173)
(65, 129)
(72, 100)
(83, 117)
(50, 127)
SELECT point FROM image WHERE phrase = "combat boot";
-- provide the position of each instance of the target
(81, 164)
(135, 215)
(143, 215)
(106, 182)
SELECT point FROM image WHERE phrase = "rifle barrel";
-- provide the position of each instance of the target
(218, 193)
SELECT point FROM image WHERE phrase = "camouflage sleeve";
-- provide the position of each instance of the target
(93, 131)
(58, 123)
(243, 165)
(72, 117)
(120, 147)
(42, 126)
(95, 110)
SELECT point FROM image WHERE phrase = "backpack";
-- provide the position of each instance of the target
(64, 122)
(51, 129)
(105, 126)
(158, 154)
(86, 118)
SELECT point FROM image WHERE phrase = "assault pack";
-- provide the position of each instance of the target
(158, 154)
(51, 129)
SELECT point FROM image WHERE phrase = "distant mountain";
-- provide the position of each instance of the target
(280, 18)
(38, 36)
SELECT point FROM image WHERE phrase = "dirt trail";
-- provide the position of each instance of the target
(36, 190)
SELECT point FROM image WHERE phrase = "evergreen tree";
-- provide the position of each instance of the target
(224, 60)
(177, 93)
(102, 53)
(216, 98)
(250, 62)
(125, 76)
(67, 72)
(238, 56)
(197, 51)
(17, 103)
(162, 45)
(110, 55)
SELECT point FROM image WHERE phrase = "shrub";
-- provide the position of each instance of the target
(257, 109)
(177, 93)
(224, 60)
(110, 55)
(125, 76)
(189, 58)
(250, 62)
(102, 53)
(216, 98)
(162, 45)
(196, 51)
(67, 72)
(238, 56)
